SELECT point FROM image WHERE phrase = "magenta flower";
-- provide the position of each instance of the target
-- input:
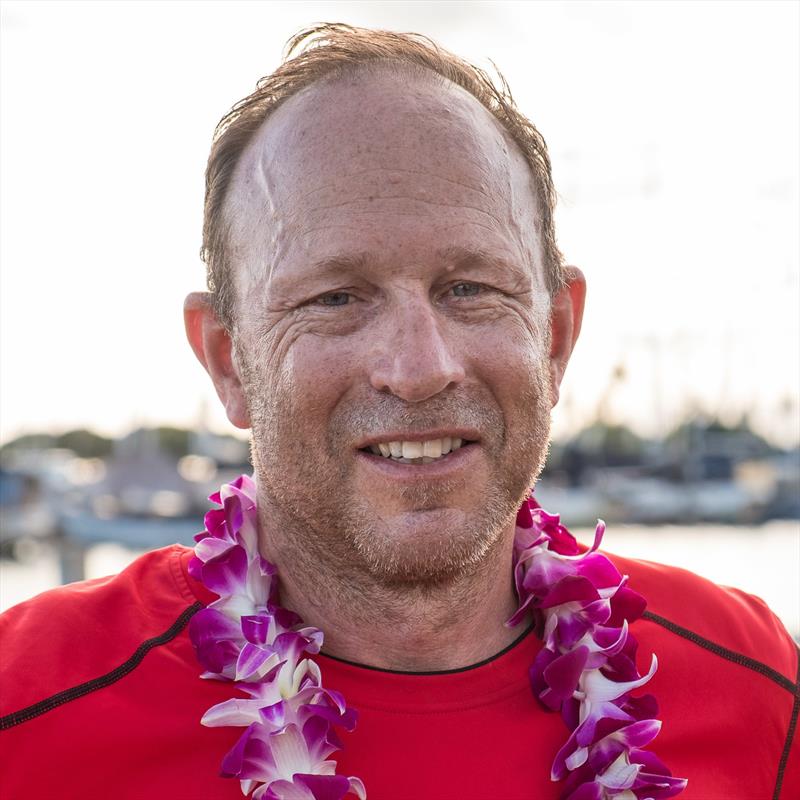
(587, 669)
(245, 637)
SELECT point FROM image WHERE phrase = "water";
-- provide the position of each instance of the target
(763, 560)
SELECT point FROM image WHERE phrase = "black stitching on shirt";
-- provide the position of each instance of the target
(49, 703)
(724, 652)
(789, 736)
(534, 626)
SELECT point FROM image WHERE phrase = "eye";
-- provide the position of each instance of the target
(466, 289)
(335, 299)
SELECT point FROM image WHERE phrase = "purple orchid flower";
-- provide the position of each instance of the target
(246, 637)
(587, 667)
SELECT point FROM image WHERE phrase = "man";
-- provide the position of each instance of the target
(390, 315)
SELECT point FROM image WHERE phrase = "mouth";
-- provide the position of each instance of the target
(417, 452)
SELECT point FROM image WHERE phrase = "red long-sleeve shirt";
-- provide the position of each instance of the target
(100, 698)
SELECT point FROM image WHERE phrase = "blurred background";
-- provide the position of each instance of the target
(673, 130)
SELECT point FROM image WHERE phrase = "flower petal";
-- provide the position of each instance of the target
(599, 688)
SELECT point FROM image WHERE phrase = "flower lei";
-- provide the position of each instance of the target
(586, 669)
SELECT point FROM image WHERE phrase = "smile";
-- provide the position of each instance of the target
(425, 452)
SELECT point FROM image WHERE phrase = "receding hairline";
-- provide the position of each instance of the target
(384, 68)
(391, 68)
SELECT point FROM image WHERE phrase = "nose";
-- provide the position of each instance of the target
(413, 358)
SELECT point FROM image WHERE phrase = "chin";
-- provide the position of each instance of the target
(427, 547)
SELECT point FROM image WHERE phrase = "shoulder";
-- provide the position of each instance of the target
(726, 668)
(719, 618)
(80, 631)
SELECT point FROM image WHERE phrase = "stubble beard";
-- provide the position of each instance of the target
(310, 514)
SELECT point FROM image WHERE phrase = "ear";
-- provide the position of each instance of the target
(213, 347)
(566, 315)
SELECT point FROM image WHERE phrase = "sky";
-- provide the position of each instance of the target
(673, 130)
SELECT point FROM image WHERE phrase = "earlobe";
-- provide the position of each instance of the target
(213, 347)
(566, 315)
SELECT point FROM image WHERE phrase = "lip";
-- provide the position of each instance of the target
(444, 467)
(467, 434)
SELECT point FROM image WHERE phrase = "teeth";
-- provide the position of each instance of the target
(412, 449)
(432, 449)
(417, 452)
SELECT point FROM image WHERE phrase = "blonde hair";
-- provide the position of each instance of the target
(328, 50)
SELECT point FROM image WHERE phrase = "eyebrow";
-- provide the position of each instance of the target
(457, 256)
(470, 257)
(340, 263)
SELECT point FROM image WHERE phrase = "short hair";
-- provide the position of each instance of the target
(331, 49)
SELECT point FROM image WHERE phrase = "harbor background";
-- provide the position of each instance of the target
(760, 560)
(717, 500)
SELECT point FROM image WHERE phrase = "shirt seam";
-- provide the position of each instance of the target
(87, 687)
(787, 745)
(724, 652)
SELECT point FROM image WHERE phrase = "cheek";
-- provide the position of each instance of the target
(512, 361)
(510, 349)
(314, 374)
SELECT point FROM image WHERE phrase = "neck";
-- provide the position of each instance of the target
(401, 626)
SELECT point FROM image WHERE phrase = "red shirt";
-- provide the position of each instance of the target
(101, 698)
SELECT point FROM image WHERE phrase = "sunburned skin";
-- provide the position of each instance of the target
(390, 289)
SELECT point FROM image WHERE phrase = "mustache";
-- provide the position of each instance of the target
(380, 412)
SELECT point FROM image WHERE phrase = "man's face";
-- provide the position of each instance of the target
(390, 297)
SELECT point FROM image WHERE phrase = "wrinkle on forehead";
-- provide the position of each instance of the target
(369, 144)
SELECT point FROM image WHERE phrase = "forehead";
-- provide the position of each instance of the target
(385, 159)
